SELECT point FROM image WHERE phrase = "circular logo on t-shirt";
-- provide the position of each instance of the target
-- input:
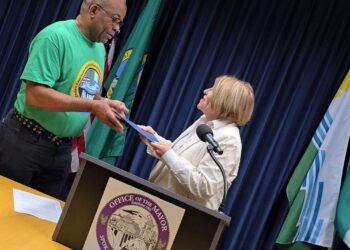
(88, 81)
(132, 221)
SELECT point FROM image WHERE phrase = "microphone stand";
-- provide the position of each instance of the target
(210, 151)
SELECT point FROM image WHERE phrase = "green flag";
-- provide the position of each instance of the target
(296, 199)
(314, 187)
(342, 218)
(121, 83)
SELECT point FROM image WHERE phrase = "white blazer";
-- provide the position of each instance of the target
(187, 169)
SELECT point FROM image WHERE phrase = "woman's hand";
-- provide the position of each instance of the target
(148, 129)
(161, 147)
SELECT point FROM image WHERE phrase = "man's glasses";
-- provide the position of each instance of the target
(115, 20)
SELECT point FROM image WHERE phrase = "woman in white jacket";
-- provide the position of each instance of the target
(185, 167)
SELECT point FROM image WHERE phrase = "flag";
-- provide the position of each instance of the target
(121, 83)
(78, 146)
(342, 218)
(314, 187)
(110, 56)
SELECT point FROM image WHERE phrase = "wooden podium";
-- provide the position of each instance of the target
(200, 227)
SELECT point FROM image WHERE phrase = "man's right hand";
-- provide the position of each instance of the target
(105, 110)
(46, 98)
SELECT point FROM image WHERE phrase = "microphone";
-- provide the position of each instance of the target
(206, 134)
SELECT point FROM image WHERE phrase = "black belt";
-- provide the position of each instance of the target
(38, 129)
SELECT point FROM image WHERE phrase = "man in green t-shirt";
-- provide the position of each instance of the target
(60, 87)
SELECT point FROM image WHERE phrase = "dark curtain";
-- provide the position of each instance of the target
(20, 21)
(295, 54)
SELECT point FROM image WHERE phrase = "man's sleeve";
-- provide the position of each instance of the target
(43, 65)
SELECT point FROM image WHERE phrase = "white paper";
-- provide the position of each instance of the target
(36, 205)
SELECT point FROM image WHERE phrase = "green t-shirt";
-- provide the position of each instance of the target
(61, 57)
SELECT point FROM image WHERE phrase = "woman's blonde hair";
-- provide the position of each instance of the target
(232, 99)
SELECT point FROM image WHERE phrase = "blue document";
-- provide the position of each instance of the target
(131, 124)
